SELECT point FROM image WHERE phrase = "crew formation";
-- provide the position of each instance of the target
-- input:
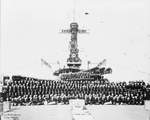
(30, 91)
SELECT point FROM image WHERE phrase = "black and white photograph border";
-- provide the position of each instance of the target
(74, 60)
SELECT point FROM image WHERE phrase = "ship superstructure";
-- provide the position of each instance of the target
(74, 62)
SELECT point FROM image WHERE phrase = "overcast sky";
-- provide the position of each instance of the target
(119, 31)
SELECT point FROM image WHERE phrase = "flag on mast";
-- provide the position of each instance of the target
(46, 63)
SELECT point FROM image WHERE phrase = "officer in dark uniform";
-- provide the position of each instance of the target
(59, 99)
(100, 99)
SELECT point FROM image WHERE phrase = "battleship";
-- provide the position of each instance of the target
(74, 62)
(80, 88)
(78, 94)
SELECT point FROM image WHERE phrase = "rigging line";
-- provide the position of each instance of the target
(74, 10)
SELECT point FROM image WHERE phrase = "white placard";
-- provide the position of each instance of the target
(77, 104)
(6, 106)
(147, 104)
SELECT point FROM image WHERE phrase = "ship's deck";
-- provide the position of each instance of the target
(63, 112)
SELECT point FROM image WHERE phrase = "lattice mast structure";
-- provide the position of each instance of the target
(74, 61)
